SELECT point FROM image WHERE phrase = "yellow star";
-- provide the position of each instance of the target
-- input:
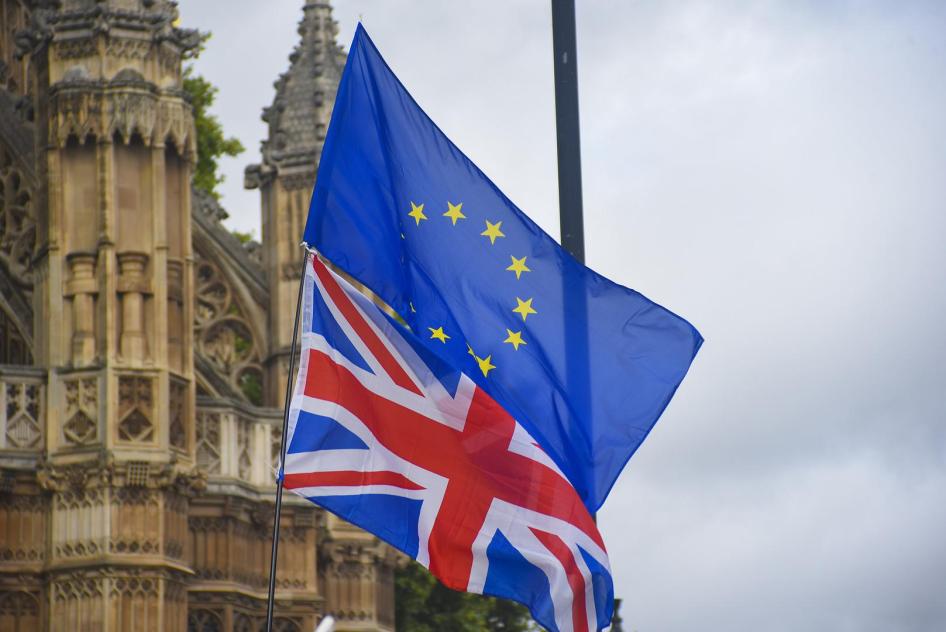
(492, 231)
(518, 266)
(485, 365)
(469, 350)
(417, 212)
(437, 334)
(454, 212)
(524, 308)
(514, 338)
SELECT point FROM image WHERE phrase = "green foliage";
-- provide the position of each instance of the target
(423, 604)
(252, 387)
(241, 236)
(212, 143)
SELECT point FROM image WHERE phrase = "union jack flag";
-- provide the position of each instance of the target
(390, 438)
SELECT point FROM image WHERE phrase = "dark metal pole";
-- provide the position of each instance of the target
(566, 127)
(565, 50)
(282, 453)
(564, 44)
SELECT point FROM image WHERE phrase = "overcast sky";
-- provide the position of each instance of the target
(776, 173)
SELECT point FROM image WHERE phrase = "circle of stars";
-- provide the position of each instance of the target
(518, 266)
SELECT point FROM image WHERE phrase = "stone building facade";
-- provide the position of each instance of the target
(144, 348)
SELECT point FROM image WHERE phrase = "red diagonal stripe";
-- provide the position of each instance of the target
(387, 361)
(477, 458)
(348, 479)
(576, 581)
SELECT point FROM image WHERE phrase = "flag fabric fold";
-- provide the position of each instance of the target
(584, 365)
(395, 440)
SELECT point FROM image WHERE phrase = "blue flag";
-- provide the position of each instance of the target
(585, 365)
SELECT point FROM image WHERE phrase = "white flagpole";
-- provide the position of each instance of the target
(326, 625)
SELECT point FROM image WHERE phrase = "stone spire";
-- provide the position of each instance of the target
(298, 119)
(305, 93)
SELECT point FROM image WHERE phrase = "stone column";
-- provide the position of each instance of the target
(82, 288)
(176, 325)
(132, 286)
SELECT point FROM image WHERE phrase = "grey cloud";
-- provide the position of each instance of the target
(775, 173)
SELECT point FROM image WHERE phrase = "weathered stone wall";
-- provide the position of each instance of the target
(143, 349)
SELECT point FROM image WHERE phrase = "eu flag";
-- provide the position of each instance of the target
(586, 366)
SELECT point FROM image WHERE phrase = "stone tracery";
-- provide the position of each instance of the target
(224, 335)
(17, 225)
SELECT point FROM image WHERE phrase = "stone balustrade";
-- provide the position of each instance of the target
(238, 442)
(22, 418)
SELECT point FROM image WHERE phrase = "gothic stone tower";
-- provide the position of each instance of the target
(143, 347)
(111, 297)
(356, 569)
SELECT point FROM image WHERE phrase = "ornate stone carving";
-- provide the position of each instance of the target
(169, 59)
(81, 411)
(76, 114)
(204, 621)
(298, 181)
(130, 114)
(254, 250)
(135, 408)
(206, 524)
(17, 223)
(78, 498)
(14, 347)
(19, 554)
(25, 531)
(244, 451)
(35, 35)
(175, 591)
(224, 335)
(86, 475)
(208, 441)
(175, 525)
(243, 623)
(125, 106)
(12, 66)
(79, 586)
(275, 444)
(208, 206)
(184, 484)
(284, 624)
(78, 507)
(348, 567)
(292, 270)
(19, 610)
(134, 587)
(257, 176)
(133, 545)
(23, 428)
(75, 48)
(177, 403)
(128, 48)
(136, 496)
